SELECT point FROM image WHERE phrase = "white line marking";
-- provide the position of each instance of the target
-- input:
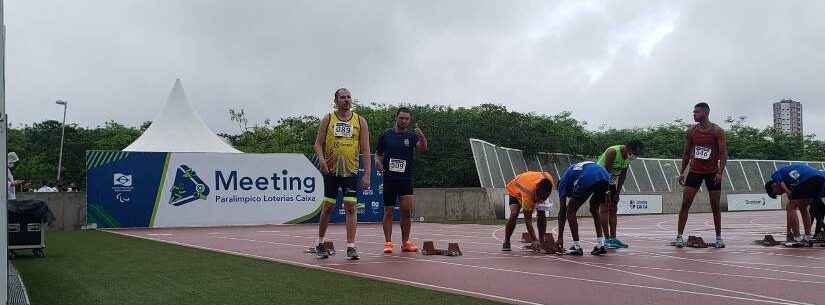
(767, 299)
(712, 273)
(347, 272)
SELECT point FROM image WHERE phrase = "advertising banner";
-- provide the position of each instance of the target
(752, 202)
(157, 189)
(639, 204)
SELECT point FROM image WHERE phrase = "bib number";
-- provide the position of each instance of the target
(702, 153)
(343, 130)
(398, 165)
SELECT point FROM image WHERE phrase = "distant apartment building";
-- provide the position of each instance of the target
(787, 116)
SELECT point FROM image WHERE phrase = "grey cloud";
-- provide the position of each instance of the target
(118, 59)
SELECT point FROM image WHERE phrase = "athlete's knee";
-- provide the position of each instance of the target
(349, 207)
(328, 207)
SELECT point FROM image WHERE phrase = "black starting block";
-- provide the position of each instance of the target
(767, 241)
(429, 249)
(328, 245)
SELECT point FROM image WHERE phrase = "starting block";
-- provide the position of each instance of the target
(453, 249)
(526, 239)
(696, 242)
(548, 247)
(429, 249)
(767, 241)
(328, 245)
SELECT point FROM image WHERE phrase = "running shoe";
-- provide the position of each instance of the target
(619, 243)
(352, 253)
(576, 251)
(388, 247)
(680, 242)
(598, 251)
(808, 241)
(611, 243)
(321, 251)
(506, 246)
(409, 246)
(719, 244)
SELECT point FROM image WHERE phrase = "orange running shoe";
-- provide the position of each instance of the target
(388, 247)
(409, 247)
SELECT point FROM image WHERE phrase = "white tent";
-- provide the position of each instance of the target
(178, 129)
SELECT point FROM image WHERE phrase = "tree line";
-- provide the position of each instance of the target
(449, 162)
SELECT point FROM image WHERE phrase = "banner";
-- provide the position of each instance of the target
(156, 189)
(753, 202)
(639, 204)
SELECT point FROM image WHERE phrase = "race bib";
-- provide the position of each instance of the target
(398, 165)
(702, 153)
(343, 129)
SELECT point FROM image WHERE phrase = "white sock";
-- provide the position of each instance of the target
(319, 241)
(350, 245)
(576, 244)
(600, 240)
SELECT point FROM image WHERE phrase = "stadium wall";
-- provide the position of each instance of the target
(434, 204)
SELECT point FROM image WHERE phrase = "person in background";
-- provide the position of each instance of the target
(11, 184)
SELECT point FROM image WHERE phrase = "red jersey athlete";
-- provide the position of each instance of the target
(704, 158)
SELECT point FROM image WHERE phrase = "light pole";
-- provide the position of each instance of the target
(62, 134)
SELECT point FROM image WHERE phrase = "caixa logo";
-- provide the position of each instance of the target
(638, 204)
(187, 187)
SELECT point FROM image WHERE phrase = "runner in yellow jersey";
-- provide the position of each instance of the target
(342, 136)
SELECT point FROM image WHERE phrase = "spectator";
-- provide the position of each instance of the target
(11, 185)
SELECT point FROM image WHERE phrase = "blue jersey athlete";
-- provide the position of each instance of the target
(579, 182)
(394, 159)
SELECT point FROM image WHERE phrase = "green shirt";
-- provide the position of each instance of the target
(619, 162)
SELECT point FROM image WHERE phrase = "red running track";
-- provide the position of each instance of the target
(649, 272)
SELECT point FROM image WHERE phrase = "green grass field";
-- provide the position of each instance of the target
(101, 268)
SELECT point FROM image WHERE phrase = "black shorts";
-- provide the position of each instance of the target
(694, 180)
(597, 190)
(348, 185)
(808, 190)
(393, 190)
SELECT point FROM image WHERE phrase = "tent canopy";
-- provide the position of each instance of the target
(178, 129)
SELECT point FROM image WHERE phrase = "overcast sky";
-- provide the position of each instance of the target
(623, 64)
